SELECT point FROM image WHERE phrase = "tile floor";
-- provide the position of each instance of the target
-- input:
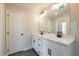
(30, 52)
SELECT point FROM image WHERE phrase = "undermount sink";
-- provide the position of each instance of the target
(63, 39)
(49, 35)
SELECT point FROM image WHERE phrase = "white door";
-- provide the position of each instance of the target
(14, 32)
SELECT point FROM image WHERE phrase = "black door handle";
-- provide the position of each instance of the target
(8, 33)
(22, 34)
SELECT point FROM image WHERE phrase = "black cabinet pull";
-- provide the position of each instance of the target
(34, 41)
(38, 44)
(22, 34)
(49, 52)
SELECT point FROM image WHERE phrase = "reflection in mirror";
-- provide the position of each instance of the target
(54, 20)
(61, 26)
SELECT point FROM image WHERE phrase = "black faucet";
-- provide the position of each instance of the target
(59, 34)
(41, 32)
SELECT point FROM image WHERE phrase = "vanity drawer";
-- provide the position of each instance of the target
(39, 40)
(39, 50)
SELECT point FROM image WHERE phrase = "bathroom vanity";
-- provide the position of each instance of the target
(50, 45)
(61, 43)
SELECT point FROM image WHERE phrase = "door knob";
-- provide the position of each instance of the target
(8, 33)
(22, 34)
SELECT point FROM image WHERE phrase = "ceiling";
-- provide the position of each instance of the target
(35, 7)
(39, 8)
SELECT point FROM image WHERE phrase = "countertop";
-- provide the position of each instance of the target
(66, 40)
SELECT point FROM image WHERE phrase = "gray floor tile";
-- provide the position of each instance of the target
(30, 52)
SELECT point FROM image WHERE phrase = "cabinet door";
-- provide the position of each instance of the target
(34, 42)
(44, 47)
(51, 48)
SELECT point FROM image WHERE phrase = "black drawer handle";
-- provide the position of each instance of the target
(38, 44)
(21, 34)
(34, 41)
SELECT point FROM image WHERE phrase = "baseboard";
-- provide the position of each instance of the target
(23, 50)
(5, 55)
(27, 48)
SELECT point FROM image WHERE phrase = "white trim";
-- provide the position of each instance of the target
(23, 50)
(27, 48)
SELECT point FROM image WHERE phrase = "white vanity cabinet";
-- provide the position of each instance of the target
(51, 48)
(48, 47)
(37, 44)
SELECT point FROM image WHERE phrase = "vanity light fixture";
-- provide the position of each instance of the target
(56, 6)
(43, 13)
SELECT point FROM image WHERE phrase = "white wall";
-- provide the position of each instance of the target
(2, 29)
(75, 18)
(31, 26)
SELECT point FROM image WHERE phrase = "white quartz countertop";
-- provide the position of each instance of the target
(66, 40)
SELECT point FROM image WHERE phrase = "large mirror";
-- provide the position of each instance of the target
(56, 19)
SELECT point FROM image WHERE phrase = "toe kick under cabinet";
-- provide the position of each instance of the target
(46, 47)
